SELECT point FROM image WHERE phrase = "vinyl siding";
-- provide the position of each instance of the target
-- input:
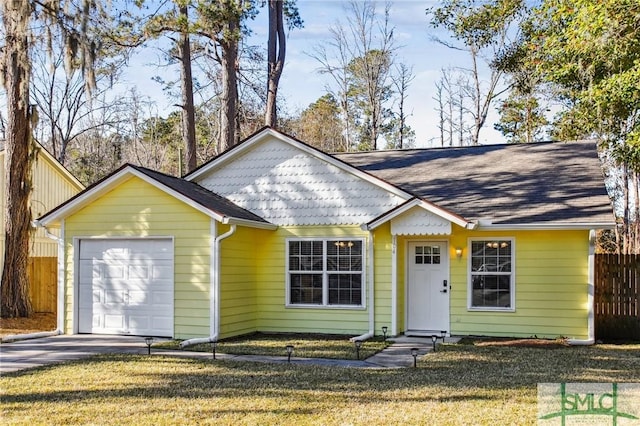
(551, 278)
(51, 187)
(138, 209)
(238, 301)
(273, 315)
(383, 282)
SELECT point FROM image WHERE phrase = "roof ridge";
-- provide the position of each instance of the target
(469, 147)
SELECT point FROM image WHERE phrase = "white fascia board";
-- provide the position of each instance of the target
(249, 223)
(432, 208)
(230, 155)
(84, 198)
(249, 143)
(126, 174)
(56, 165)
(60, 168)
(548, 226)
(346, 167)
(110, 183)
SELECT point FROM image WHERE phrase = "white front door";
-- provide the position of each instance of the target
(125, 286)
(427, 286)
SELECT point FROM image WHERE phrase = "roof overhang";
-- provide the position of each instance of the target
(544, 226)
(249, 223)
(55, 164)
(416, 202)
(60, 168)
(124, 174)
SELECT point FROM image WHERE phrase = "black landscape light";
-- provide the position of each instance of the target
(434, 339)
(289, 352)
(358, 344)
(414, 354)
(384, 332)
(213, 348)
(148, 341)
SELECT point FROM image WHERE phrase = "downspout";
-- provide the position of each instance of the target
(394, 285)
(369, 334)
(591, 336)
(214, 299)
(60, 291)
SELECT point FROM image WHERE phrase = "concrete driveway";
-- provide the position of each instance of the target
(56, 349)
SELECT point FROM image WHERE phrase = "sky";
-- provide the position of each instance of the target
(301, 84)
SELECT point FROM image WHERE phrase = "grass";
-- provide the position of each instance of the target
(459, 384)
(305, 346)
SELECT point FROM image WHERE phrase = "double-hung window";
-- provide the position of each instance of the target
(325, 272)
(492, 274)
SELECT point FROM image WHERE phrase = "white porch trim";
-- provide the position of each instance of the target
(394, 285)
(416, 202)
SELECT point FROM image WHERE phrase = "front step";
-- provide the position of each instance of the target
(427, 333)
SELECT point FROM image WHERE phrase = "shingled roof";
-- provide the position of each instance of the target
(206, 200)
(202, 196)
(504, 184)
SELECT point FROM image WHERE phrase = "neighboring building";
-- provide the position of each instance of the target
(276, 236)
(52, 185)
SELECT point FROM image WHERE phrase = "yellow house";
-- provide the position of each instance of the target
(276, 236)
(53, 185)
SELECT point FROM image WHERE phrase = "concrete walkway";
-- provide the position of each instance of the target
(20, 355)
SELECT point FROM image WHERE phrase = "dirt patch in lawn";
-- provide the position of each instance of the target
(526, 343)
(41, 321)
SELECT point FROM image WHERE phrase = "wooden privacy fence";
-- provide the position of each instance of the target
(617, 297)
(43, 273)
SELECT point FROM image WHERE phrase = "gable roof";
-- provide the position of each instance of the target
(209, 203)
(53, 162)
(203, 196)
(425, 205)
(539, 184)
(265, 134)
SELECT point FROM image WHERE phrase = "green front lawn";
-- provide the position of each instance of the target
(304, 346)
(460, 384)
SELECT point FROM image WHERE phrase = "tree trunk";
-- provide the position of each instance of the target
(14, 287)
(626, 210)
(188, 108)
(229, 132)
(635, 183)
(276, 56)
(375, 125)
(403, 120)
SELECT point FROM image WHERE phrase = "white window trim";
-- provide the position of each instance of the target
(325, 281)
(470, 307)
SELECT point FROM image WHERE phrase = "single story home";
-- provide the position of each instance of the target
(274, 235)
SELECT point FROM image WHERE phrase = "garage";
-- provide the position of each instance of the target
(125, 286)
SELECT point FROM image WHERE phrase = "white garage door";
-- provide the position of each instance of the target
(126, 287)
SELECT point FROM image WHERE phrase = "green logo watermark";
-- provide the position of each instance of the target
(589, 403)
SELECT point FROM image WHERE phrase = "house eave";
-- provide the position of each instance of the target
(545, 226)
(53, 162)
(249, 223)
(103, 187)
(416, 202)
